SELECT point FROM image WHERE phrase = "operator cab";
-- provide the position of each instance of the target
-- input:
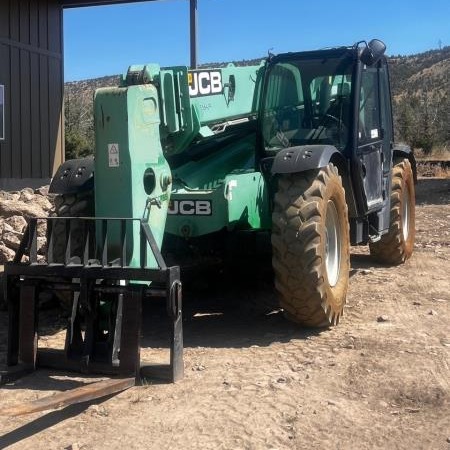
(307, 100)
(333, 99)
(308, 97)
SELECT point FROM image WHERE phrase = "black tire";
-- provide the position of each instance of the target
(80, 204)
(397, 245)
(310, 243)
(70, 205)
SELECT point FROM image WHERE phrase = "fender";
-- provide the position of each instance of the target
(305, 157)
(308, 157)
(400, 151)
(75, 175)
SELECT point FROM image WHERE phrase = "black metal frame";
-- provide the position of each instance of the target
(90, 280)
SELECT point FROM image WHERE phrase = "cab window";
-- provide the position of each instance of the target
(369, 129)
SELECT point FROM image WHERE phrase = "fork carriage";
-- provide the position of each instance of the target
(104, 328)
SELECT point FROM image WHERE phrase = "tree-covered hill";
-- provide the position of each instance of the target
(421, 98)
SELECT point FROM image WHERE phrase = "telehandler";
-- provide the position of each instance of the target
(191, 166)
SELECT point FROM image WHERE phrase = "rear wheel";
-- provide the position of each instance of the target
(80, 204)
(397, 245)
(310, 241)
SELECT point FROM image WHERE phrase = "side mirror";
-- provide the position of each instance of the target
(372, 52)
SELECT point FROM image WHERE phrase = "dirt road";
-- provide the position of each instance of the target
(380, 380)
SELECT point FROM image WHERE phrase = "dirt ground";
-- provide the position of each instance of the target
(380, 380)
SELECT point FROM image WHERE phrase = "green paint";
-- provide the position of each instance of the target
(128, 118)
(140, 124)
(228, 180)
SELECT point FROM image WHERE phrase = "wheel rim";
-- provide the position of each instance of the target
(405, 214)
(332, 244)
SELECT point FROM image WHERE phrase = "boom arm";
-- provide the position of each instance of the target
(156, 113)
(192, 102)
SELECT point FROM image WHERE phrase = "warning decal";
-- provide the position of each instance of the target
(113, 155)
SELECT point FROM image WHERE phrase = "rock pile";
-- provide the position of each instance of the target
(14, 207)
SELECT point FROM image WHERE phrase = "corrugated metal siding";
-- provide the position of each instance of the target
(31, 69)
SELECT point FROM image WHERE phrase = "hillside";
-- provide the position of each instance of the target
(421, 99)
(424, 71)
(85, 89)
(420, 89)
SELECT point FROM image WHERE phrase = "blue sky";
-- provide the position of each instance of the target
(106, 40)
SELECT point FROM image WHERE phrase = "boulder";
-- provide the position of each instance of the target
(10, 208)
(12, 239)
(14, 208)
(18, 223)
(43, 190)
(26, 195)
(43, 202)
(12, 196)
(41, 245)
(42, 228)
(6, 254)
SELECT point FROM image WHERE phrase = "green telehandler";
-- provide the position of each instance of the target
(189, 167)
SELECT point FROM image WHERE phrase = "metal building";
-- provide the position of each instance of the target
(32, 88)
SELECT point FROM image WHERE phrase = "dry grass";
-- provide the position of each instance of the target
(430, 165)
(430, 169)
(440, 154)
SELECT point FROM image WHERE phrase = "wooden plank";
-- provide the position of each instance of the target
(82, 394)
(35, 147)
(54, 26)
(4, 19)
(44, 96)
(24, 21)
(55, 112)
(15, 117)
(60, 145)
(34, 23)
(14, 20)
(43, 25)
(35, 117)
(5, 79)
(25, 113)
(5, 146)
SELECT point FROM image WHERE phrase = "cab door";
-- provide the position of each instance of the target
(369, 156)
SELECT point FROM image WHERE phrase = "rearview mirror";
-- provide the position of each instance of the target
(372, 52)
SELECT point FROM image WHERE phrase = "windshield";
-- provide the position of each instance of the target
(307, 101)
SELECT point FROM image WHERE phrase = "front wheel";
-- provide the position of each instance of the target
(397, 245)
(310, 242)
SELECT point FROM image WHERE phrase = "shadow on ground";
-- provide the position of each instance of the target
(227, 314)
(44, 422)
(433, 191)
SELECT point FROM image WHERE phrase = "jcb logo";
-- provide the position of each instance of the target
(205, 82)
(190, 207)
